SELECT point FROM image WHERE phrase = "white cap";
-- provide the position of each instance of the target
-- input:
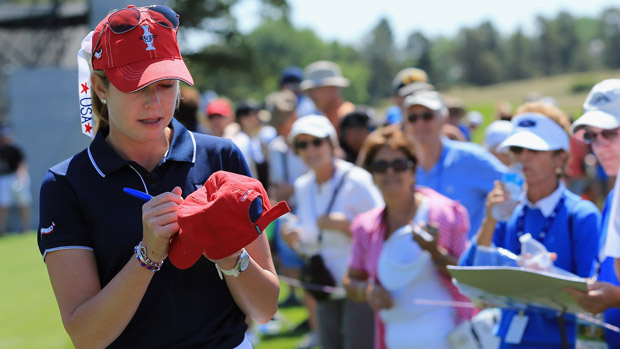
(536, 132)
(313, 125)
(429, 99)
(496, 133)
(602, 106)
(474, 117)
(400, 259)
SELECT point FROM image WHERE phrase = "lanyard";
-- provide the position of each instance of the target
(546, 226)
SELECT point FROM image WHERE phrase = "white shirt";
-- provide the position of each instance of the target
(612, 243)
(358, 194)
(547, 204)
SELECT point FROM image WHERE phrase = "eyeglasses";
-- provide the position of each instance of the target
(317, 142)
(590, 137)
(398, 165)
(426, 116)
(519, 150)
(127, 19)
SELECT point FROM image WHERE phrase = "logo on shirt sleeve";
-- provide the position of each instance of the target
(45, 231)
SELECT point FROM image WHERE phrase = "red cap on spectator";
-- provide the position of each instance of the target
(219, 107)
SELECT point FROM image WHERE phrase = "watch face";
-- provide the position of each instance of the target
(244, 261)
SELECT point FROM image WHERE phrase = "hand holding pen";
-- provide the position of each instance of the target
(159, 220)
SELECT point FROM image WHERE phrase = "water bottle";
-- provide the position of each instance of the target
(513, 182)
(534, 254)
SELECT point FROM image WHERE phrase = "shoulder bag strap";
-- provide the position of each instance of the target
(333, 199)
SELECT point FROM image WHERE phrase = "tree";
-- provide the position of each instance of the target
(379, 51)
(519, 56)
(610, 34)
(418, 51)
(479, 60)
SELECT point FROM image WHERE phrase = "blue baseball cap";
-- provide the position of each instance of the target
(291, 74)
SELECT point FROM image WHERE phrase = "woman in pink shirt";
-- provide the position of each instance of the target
(401, 251)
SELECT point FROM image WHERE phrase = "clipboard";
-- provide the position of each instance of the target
(517, 287)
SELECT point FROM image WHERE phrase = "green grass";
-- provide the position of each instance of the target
(30, 316)
(29, 313)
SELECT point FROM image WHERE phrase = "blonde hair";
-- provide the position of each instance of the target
(558, 116)
(100, 110)
(552, 112)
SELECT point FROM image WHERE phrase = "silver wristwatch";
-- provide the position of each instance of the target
(242, 264)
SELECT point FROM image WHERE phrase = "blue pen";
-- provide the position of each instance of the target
(137, 194)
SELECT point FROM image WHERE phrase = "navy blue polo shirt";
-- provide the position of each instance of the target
(83, 206)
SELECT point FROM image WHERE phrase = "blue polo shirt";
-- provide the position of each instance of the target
(83, 206)
(574, 236)
(608, 274)
(465, 172)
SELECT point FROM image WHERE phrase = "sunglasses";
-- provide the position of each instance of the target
(589, 137)
(398, 165)
(124, 20)
(317, 142)
(426, 116)
(519, 150)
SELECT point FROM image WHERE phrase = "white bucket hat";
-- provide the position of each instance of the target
(323, 73)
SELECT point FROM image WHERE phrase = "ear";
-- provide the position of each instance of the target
(98, 86)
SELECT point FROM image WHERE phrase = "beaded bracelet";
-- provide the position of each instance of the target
(145, 261)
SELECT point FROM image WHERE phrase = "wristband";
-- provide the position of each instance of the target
(145, 261)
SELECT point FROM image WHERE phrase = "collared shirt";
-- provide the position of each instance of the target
(547, 204)
(83, 206)
(465, 172)
(573, 236)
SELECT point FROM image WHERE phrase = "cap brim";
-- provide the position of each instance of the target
(133, 77)
(183, 252)
(415, 87)
(527, 140)
(334, 81)
(595, 118)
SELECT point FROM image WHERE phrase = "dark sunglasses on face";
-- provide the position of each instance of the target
(426, 116)
(398, 165)
(590, 137)
(519, 150)
(304, 144)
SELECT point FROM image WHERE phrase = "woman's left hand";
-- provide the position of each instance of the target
(378, 297)
(425, 244)
(334, 221)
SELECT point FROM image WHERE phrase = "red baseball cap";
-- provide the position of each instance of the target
(223, 216)
(219, 107)
(137, 46)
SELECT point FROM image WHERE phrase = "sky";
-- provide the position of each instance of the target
(349, 21)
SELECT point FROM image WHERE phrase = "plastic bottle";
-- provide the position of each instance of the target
(513, 181)
(535, 254)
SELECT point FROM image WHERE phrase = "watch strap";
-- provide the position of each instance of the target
(235, 271)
